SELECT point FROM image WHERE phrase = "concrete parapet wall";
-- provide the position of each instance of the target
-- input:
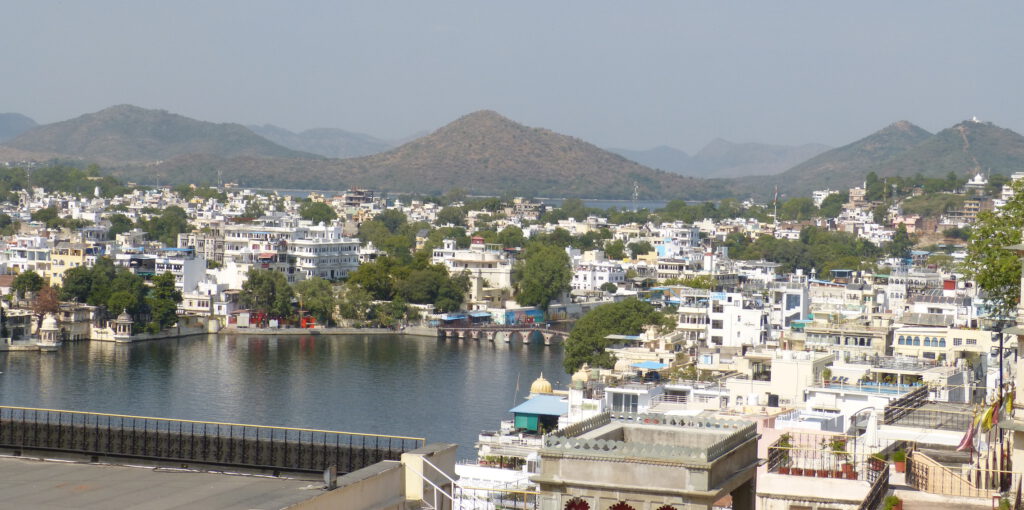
(377, 487)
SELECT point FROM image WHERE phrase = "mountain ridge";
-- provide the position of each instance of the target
(326, 142)
(129, 134)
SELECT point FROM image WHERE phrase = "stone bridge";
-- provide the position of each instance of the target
(506, 333)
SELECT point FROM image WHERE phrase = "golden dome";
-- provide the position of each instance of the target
(582, 375)
(541, 385)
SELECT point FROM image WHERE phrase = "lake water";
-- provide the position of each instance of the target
(385, 384)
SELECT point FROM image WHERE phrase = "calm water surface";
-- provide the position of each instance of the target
(385, 384)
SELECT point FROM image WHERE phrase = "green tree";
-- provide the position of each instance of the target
(638, 248)
(317, 212)
(609, 287)
(163, 299)
(375, 277)
(48, 215)
(166, 227)
(393, 219)
(119, 224)
(543, 275)
(996, 269)
(511, 237)
(253, 209)
(26, 281)
(798, 209)
(267, 291)
(615, 250)
(77, 284)
(317, 297)
(451, 216)
(587, 343)
(355, 303)
(127, 292)
(102, 276)
(452, 293)
(901, 243)
(833, 204)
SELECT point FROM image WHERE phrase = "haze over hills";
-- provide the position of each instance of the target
(14, 124)
(965, 148)
(328, 142)
(661, 157)
(483, 153)
(486, 153)
(129, 134)
(841, 167)
(725, 159)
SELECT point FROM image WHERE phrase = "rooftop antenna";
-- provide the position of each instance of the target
(775, 203)
(636, 194)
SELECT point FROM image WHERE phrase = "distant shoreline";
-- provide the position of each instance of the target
(413, 331)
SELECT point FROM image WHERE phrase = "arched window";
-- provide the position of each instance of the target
(942, 342)
(917, 340)
(621, 505)
(901, 340)
(927, 342)
(577, 504)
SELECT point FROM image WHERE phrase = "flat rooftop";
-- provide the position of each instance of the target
(45, 484)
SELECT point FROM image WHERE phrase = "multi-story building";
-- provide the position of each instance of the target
(488, 266)
(65, 255)
(28, 253)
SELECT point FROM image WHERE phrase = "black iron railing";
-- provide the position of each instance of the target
(200, 442)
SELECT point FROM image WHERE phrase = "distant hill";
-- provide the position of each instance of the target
(661, 157)
(722, 158)
(725, 159)
(483, 153)
(129, 134)
(329, 142)
(841, 167)
(14, 124)
(966, 148)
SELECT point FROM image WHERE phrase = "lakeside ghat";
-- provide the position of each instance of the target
(379, 383)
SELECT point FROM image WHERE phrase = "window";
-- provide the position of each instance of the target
(942, 342)
(927, 342)
(917, 340)
(928, 355)
(716, 324)
(717, 308)
(958, 341)
(901, 340)
(624, 402)
(972, 341)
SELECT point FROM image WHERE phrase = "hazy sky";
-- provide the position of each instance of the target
(618, 74)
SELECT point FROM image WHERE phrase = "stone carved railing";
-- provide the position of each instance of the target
(567, 439)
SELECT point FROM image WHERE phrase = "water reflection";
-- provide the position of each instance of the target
(446, 391)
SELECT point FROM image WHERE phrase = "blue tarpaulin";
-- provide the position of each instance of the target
(649, 365)
(479, 314)
(550, 405)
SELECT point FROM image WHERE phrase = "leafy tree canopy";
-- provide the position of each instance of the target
(587, 343)
(996, 269)
(267, 291)
(543, 275)
(317, 212)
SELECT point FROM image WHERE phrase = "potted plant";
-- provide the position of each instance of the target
(899, 458)
(784, 444)
(877, 461)
(826, 375)
(892, 503)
